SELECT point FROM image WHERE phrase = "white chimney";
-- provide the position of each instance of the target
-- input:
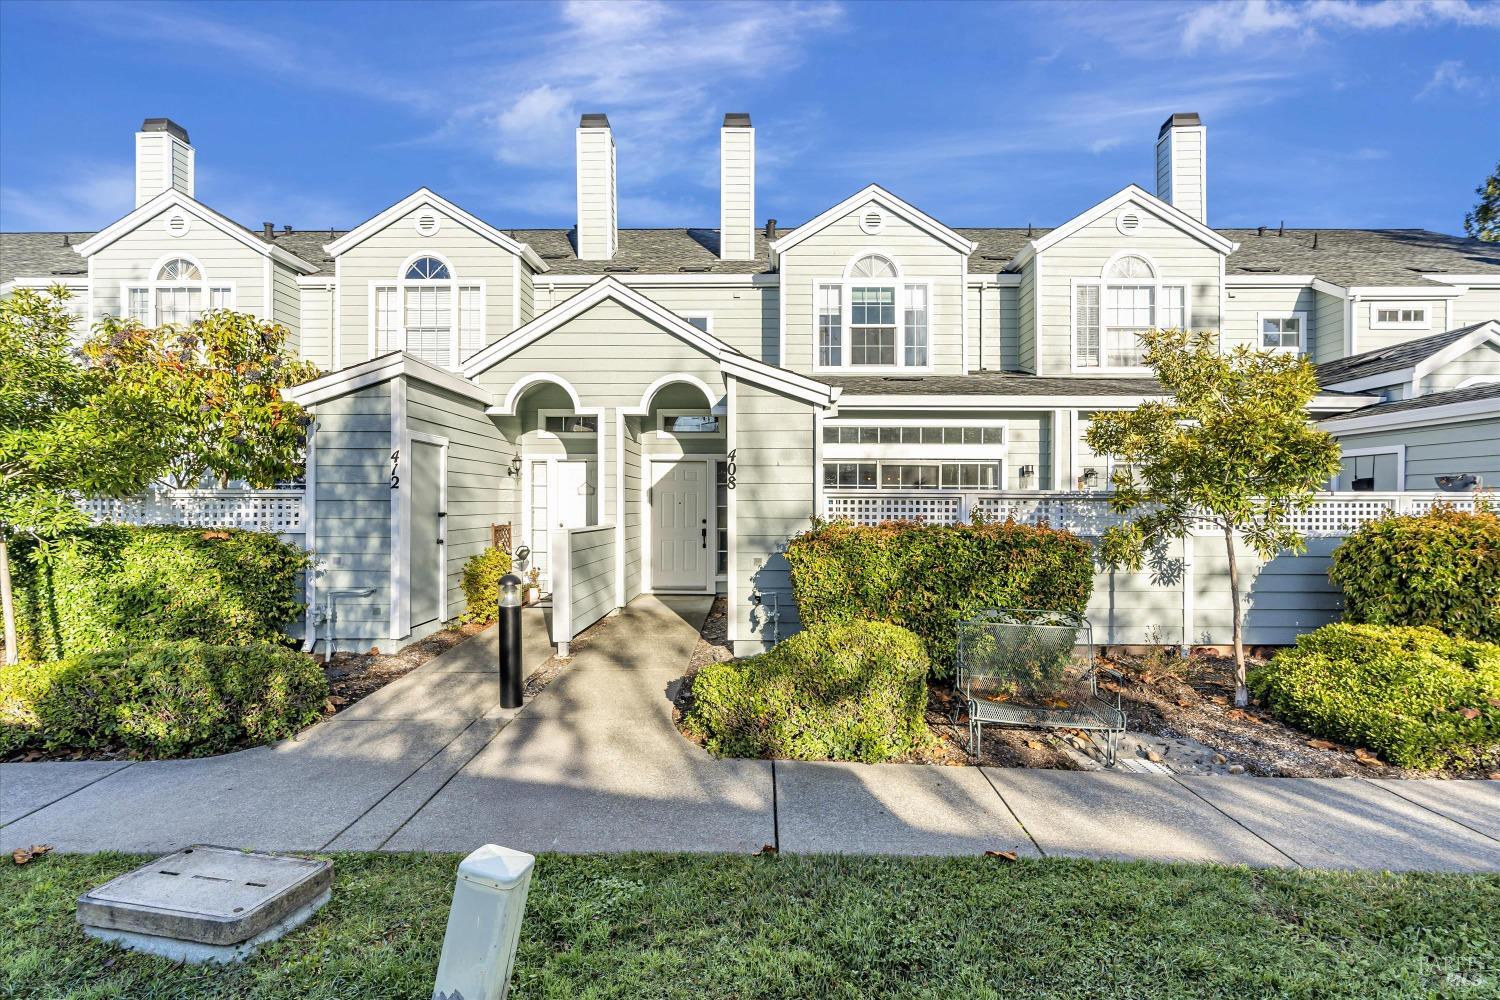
(598, 213)
(737, 188)
(163, 159)
(1182, 165)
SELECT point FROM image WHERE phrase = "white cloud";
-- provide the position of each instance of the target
(1230, 25)
(1450, 74)
(92, 195)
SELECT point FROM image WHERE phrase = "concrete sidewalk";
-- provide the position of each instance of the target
(594, 763)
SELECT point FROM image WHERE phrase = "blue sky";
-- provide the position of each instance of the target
(1326, 113)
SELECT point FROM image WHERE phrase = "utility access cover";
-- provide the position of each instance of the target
(208, 895)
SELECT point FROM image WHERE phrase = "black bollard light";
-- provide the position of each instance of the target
(510, 641)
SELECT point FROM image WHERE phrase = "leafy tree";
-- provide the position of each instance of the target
(218, 383)
(1484, 222)
(1230, 449)
(66, 431)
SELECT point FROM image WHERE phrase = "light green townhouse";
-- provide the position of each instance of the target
(659, 410)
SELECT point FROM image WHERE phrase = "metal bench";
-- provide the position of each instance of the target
(1027, 669)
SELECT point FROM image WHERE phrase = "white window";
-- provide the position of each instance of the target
(872, 319)
(913, 475)
(565, 423)
(690, 422)
(912, 434)
(1370, 470)
(1110, 314)
(703, 321)
(178, 293)
(1283, 332)
(429, 313)
(1398, 316)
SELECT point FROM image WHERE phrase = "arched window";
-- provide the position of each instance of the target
(179, 269)
(872, 319)
(872, 266)
(427, 269)
(1110, 314)
(178, 292)
(429, 313)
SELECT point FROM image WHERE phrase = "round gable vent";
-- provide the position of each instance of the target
(427, 224)
(177, 225)
(1128, 222)
(871, 220)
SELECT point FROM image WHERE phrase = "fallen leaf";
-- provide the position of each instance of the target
(24, 855)
(1036, 744)
(1183, 703)
(768, 849)
(1002, 855)
(1321, 744)
(1365, 756)
(1469, 713)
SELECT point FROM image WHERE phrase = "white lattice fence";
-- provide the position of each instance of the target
(874, 508)
(277, 511)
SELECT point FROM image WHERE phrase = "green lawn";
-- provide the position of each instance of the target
(741, 927)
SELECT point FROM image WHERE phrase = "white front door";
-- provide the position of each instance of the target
(679, 526)
(570, 495)
(559, 499)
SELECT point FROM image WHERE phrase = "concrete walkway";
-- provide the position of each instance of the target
(593, 763)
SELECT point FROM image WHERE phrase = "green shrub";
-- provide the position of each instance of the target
(481, 583)
(1440, 569)
(853, 691)
(1418, 697)
(928, 578)
(161, 700)
(116, 585)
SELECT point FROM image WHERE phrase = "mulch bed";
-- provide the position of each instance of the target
(352, 676)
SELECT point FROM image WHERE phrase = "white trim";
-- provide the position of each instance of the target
(423, 197)
(1384, 380)
(172, 198)
(508, 408)
(1283, 314)
(634, 279)
(1269, 280)
(152, 286)
(1167, 213)
(818, 447)
(688, 411)
(1488, 280)
(1478, 380)
(703, 314)
(715, 400)
(963, 320)
(377, 370)
(336, 338)
(1000, 279)
(732, 584)
(608, 289)
(402, 285)
(898, 285)
(1375, 323)
(1441, 413)
(400, 459)
(441, 442)
(879, 196)
(1156, 282)
(1399, 450)
(1405, 292)
(620, 509)
(267, 301)
(1488, 333)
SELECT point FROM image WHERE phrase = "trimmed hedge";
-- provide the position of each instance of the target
(481, 583)
(1441, 569)
(1418, 697)
(831, 692)
(928, 578)
(161, 700)
(115, 585)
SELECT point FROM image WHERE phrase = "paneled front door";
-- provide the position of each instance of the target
(679, 526)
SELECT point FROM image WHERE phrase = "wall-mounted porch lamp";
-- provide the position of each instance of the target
(514, 469)
(1027, 471)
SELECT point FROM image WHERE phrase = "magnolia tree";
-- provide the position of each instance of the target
(66, 431)
(133, 406)
(1231, 450)
(217, 384)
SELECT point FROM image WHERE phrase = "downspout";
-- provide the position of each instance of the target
(309, 539)
(980, 331)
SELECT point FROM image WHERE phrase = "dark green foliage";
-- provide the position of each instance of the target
(928, 578)
(481, 583)
(113, 585)
(1440, 569)
(1416, 696)
(161, 700)
(831, 692)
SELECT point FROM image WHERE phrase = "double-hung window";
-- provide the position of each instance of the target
(429, 313)
(1399, 316)
(1111, 314)
(1283, 332)
(872, 319)
(178, 293)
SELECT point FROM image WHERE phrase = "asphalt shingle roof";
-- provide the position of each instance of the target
(1388, 359)
(1487, 390)
(1343, 256)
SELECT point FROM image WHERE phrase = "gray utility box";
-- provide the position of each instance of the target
(206, 903)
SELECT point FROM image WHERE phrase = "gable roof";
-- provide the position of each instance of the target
(1475, 402)
(172, 198)
(610, 289)
(424, 197)
(1408, 357)
(1131, 192)
(880, 196)
(380, 369)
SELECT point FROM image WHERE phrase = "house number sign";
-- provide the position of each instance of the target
(395, 464)
(729, 472)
